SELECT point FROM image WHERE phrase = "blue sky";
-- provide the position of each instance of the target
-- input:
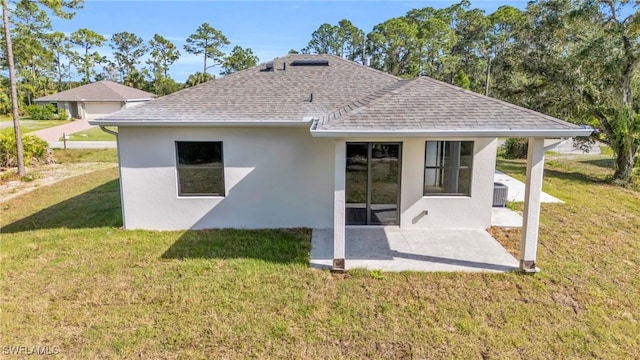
(269, 28)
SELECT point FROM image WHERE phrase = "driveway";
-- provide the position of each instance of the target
(55, 133)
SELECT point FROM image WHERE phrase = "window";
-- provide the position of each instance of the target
(200, 168)
(447, 167)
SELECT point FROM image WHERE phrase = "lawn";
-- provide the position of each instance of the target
(93, 134)
(71, 279)
(27, 126)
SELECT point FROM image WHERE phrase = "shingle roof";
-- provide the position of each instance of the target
(341, 97)
(99, 91)
(427, 104)
(283, 94)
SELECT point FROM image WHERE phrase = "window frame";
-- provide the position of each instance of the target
(441, 144)
(178, 166)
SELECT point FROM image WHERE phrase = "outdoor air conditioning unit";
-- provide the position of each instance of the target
(500, 194)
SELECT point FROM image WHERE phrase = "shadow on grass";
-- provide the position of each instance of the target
(278, 246)
(98, 207)
(572, 176)
(607, 163)
(519, 167)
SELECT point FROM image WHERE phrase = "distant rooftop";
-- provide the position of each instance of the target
(99, 91)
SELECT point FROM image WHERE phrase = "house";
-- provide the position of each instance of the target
(321, 142)
(96, 100)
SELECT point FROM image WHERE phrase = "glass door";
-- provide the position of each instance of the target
(372, 183)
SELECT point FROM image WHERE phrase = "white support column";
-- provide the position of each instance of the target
(533, 190)
(339, 206)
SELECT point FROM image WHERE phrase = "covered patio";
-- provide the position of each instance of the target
(392, 248)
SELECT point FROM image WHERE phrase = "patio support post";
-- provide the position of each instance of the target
(531, 216)
(339, 206)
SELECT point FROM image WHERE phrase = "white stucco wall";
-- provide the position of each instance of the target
(94, 110)
(280, 177)
(470, 212)
(274, 177)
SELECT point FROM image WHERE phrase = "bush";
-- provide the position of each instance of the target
(46, 112)
(36, 150)
(515, 148)
(62, 114)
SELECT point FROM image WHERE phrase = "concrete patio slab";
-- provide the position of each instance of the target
(395, 249)
(517, 187)
(505, 217)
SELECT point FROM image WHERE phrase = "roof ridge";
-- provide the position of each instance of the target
(108, 85)
(502, 102)
(370, 99)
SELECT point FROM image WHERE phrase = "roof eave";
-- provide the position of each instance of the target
(190, 123)
(453, 133)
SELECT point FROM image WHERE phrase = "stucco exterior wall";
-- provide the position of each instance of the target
(469, 212)
(274, 177)
(280, 177)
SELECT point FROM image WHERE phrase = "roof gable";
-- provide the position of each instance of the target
(99, 91)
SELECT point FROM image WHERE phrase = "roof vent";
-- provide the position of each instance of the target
(268, 66)
(310, 63)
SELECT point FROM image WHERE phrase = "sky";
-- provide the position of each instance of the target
(269, 28)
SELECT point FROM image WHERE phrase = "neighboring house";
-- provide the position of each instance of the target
(96, 100)
(321, 142)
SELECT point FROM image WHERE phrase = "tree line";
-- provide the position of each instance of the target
(576, 60)
(48, 61)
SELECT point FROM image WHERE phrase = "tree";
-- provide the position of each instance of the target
(59, 45)
(127, 49)
(85, 62)
(136, 79)
(163, 55)
(462, 80)
(197, 79)
(31, 58)
(206, 41)
(394, 47)
(506, 23)
(609, 57)
(239, 59)
(325, 41)
(351, 41)
(59, 8)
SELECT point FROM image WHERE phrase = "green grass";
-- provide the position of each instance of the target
(93, 134)
(27, 126)
(85, 155)
(72, 279)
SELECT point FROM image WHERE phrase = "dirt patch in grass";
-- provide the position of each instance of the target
(509, 238)
(44, 175)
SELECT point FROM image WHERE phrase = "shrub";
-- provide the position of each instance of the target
(46, 112)
(36, 150)
(62, 114)
(515, 148)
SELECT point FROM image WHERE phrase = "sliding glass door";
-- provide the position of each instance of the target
(372, 183)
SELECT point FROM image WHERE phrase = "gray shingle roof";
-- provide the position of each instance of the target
(99, 91)
(347, 97)
(427, 104)
(282, 94)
